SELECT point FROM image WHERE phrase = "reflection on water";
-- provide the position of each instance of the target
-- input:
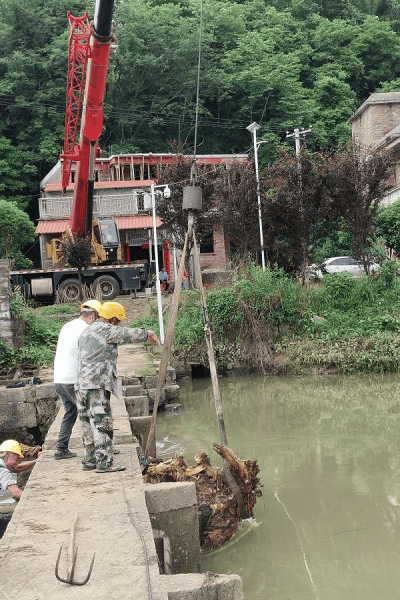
(328, 523)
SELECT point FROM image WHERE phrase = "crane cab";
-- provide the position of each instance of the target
(105, 235)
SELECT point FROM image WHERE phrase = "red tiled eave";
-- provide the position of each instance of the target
(137, 222)
(101, 185)
(57, 226)
(140, 222)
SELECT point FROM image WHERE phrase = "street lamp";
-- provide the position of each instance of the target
(167, 194)
(253, 128)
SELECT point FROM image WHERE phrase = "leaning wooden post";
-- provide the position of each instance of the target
(166, 352)
(214, 380)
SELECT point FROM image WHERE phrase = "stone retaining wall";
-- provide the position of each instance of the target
(26, 409)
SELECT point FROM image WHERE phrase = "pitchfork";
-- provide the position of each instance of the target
(72, 556)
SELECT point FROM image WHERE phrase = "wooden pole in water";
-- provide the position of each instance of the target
(166, 353)
(214, 380)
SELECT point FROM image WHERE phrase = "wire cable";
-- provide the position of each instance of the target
(198, 80)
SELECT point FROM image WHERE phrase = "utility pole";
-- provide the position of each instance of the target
(253, 128)
(296, 134)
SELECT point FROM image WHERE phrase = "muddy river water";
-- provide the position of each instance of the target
(328, 524)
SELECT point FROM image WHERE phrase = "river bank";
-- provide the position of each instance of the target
(262, 321)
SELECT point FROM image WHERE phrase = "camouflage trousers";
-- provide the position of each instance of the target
(94, 411)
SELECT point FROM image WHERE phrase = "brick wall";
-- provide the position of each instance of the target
(375, 118)
(221, 254)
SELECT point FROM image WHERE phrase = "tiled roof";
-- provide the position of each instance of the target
(58, 226)
(100, 185)
(138, 222)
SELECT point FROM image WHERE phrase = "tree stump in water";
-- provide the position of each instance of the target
(219, 515)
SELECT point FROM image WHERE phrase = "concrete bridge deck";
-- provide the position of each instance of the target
(113, 523)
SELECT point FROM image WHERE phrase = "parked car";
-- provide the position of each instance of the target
(338, 264)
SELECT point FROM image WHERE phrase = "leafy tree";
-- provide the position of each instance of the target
(290, 208)
(387, 224)
(329, 238)
(354, 184)
(16, 230)
(174, 217)
(15, 171)
(235, 192)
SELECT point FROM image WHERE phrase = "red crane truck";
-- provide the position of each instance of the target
(88, 56)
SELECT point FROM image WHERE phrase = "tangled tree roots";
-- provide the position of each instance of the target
(219, 514)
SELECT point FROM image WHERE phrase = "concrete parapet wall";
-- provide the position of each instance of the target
(173, 513)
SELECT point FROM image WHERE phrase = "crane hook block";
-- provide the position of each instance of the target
(192, 198)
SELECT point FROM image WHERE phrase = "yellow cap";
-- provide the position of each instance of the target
(11, 446)
(108, 310)
(93, 304)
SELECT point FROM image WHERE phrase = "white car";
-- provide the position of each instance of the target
(338, 264)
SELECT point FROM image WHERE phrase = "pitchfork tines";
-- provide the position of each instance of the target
(72, 556)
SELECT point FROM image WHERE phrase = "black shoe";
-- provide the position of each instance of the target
(58, 454)
(88, 466)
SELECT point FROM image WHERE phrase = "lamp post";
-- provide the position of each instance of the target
(167, 193)
(253, 128)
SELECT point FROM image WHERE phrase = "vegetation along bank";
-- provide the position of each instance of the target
(272, 323)
(267, 321)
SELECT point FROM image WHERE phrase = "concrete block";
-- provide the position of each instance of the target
(150, 381)
(140, 427)
(130, 381)
(15, 415)
(132, 390)
(161, 403)
(162, 497)
(137, 406)
(170, 377)
(171, 392)
(173, 513)
(23, 394)
(203, 586)
(46, 390)
(46, 409)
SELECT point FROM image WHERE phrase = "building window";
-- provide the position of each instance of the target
(140, 202)
(137, 237)
(207, 245)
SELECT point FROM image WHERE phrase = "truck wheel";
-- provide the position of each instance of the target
(108, 286)
(70, 289)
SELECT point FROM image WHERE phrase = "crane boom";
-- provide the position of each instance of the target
(89, 50)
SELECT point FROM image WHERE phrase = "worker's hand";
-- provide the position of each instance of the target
(23, 466)
(152, 337)
(15, 491)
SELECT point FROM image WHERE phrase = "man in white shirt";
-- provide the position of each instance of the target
(66, 372)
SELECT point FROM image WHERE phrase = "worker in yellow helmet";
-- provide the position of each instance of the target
(10, 493)
(97, 380)
(66, 370)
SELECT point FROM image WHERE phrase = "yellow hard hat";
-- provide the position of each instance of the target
(94, 304)
(11, 446)
(108, 310)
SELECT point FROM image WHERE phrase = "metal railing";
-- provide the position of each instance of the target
(103, 206)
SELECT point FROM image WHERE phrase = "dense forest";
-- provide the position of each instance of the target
(282, 63)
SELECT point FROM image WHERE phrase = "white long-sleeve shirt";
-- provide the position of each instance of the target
(66, 359)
